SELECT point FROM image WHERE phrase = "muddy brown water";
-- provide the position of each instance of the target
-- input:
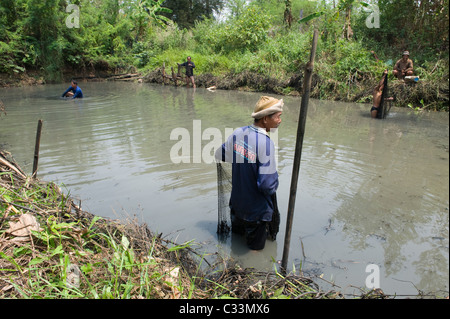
(371, 192)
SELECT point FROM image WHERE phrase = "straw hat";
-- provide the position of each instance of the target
(267, 106)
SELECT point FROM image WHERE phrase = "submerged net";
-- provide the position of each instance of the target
(224, 177)
(383, 105)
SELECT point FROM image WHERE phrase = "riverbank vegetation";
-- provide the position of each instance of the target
(51, 248)
(259, 45)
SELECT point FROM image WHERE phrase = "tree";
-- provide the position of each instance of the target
(236, 7)
(345, 6)
(145, 11)
(186, 12)
(288, 13)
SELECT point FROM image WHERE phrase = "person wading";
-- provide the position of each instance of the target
(73, 91)
(189, 71)
(254, 173)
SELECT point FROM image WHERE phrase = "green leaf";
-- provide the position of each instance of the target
(311, 16)
(179, 247)
(58, 250)
(87, 268)
(364, 4)
(11, 260)
(22, 251)
(36, 261)
(125, 242)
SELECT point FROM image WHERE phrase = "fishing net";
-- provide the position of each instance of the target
(224, 193)
(224, 177)
(383, 105)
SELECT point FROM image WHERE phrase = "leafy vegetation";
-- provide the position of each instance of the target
(270, 38)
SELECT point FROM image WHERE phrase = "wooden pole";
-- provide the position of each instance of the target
(298, 151)
(174, 78)
(164, 72)
(36, 148)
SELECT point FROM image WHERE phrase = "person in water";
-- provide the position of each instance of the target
(73, 91)
(189, 71)
(254, 173)
(377, 96)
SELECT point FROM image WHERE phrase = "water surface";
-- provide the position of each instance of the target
(370, 191)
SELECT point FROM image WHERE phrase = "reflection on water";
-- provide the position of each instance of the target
(370, 191)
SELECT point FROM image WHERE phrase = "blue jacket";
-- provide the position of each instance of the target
(189, 68)
(254, 174)
(76, 92)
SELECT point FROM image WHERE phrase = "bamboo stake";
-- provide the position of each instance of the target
(36, 148)
(174, 77)
(164, 72)
(298, 151)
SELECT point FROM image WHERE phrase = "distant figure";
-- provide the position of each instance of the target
(403, 67)
(377, 96)
(189, 71)
(73, 91)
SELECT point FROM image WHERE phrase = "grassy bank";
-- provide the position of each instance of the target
(50, 248)
(344, 70)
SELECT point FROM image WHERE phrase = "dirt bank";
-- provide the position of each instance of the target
(424, 94)
(433, 96)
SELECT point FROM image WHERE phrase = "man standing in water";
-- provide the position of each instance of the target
(254, 173)
(73, 91)
(189, 71)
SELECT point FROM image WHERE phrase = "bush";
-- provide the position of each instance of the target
(245, 32)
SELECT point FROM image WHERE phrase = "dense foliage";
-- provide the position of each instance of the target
(270, 37)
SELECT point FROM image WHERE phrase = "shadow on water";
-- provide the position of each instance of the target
(370, 191)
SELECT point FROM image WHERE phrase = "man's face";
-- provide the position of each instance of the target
(74, 85)
(405, 58)
(273, 121)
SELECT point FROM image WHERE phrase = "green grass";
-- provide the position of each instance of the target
(73, 254)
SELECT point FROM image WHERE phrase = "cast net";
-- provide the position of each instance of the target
(224, 193)
(224, 177)
(384, 110)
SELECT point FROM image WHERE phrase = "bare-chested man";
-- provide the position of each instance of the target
(377, 95)
(403, 67)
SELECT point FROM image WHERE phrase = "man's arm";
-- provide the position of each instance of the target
(267, 169)
(76, 95)
(66, 91)
(381, 84)
(410, 64)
